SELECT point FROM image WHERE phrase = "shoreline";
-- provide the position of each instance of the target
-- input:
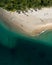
(35, 23)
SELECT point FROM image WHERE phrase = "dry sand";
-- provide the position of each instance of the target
(31, 23)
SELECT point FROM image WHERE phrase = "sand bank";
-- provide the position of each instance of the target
(31, 23)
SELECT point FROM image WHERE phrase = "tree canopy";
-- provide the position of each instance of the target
(24, 4)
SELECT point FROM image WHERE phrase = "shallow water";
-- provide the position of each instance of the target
(18, 49)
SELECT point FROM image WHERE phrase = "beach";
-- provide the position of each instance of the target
(31, 23)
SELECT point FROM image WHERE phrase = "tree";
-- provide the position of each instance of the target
(24, 4)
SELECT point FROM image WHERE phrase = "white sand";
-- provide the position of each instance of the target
(32, 23)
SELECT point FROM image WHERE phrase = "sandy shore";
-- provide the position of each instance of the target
(31, 23)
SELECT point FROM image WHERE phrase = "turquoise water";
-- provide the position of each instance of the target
(19, 49)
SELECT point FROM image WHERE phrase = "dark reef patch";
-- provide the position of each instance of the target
(42, 54)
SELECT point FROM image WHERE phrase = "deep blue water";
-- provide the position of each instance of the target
(18, 49)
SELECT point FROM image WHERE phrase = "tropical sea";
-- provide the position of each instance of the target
(19, 49)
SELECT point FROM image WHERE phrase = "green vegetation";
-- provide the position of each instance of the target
(24, 4)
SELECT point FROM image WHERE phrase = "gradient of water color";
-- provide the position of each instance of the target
(17, 49)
